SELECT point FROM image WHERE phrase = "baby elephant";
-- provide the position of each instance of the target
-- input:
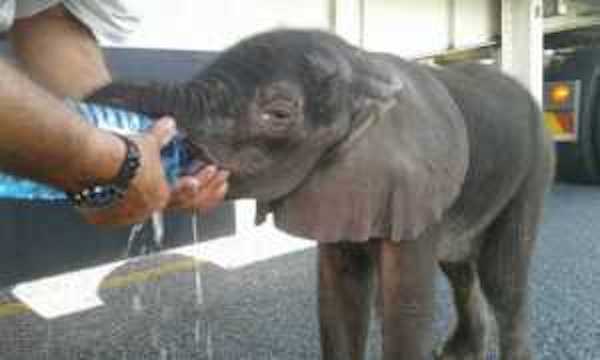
(391, 166)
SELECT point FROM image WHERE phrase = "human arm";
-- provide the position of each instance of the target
(43, 45)
(44, 140)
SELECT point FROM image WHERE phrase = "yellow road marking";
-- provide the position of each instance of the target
(153, 274)
(12, 309)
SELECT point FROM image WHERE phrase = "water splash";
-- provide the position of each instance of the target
(145, 239)
(134, 234)
(173, 351)
(209, 343)
(197, 274)
(49, 340)
(164, 353)
(198, 285)
(155, 336)
(197, 332)
(136, 304)
(159, 294)
(158, 225)
(195, 224)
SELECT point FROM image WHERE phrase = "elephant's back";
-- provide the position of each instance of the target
(504, 131)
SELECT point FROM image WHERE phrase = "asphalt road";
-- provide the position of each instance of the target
(266, 310)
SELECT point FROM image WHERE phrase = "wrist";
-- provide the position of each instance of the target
(100, 160)
(105, 193)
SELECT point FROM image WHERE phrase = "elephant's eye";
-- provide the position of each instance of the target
(276, 114)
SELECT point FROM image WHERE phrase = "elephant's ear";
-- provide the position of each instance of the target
(352, 80)
(399, 169)
(376, 79)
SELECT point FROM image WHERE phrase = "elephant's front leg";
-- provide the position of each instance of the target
(345, 288)
(406, 298)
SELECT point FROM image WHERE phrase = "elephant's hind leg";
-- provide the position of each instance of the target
(406, 291)
(346, 279)
(504, 267)
(470, 336)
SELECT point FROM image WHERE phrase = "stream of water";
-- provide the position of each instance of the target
(198, 286)
(141, 243)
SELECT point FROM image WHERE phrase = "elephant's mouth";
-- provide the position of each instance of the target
(200, 157)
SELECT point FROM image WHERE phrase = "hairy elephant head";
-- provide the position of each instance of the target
(276, 108)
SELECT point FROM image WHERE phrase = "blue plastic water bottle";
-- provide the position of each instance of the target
(173, 155)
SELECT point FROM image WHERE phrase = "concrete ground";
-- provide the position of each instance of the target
(169, 307)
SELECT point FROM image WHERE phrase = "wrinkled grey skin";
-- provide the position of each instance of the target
(391, 166)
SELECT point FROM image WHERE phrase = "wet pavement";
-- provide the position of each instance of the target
(172, 306)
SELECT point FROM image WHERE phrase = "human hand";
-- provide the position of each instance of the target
(202, 191)
(148, 191)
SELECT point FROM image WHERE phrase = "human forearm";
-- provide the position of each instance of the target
(42, 139)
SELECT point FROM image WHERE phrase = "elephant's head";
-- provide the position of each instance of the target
(272, 108)
(268, 108)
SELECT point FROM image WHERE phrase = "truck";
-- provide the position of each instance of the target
(572, 89)
(572, 112)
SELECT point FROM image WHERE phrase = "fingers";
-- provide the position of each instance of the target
(164, 130)
(203, 191)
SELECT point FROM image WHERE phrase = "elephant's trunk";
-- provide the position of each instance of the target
(152, 99)
(200, 109)
(198, 106)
